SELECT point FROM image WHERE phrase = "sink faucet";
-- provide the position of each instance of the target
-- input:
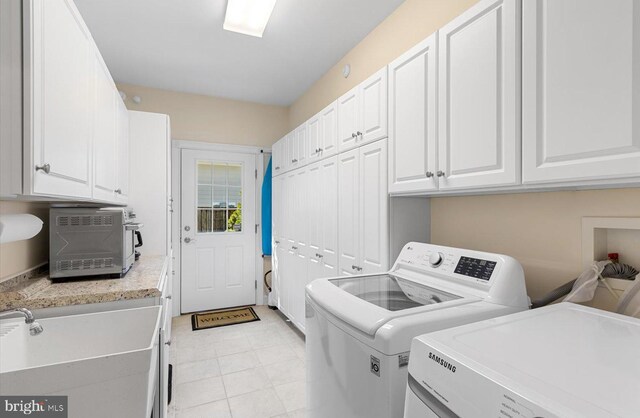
(34, 327)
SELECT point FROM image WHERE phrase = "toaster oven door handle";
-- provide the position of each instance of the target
(133, 227)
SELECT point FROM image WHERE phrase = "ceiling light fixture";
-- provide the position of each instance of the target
(248, 17)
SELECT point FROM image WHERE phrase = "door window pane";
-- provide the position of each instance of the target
(219, 189)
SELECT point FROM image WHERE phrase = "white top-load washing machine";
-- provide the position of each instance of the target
(359, 328)
(560, 361)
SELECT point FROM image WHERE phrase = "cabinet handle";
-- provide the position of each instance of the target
(294, 248)
(294, 161)
(44, 167)
(168, 342)
(118, 191)
(278, 168)
(169, 297)
(277, 242)
(440, 173)
(429, 174)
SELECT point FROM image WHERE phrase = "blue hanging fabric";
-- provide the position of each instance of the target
(266, 211)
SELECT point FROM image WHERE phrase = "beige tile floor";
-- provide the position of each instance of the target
(253, 370)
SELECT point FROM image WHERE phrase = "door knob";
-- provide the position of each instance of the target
(188, 240)
(44, 167)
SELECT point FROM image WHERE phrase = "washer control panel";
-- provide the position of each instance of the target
(470, 266)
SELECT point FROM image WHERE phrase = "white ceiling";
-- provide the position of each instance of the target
(180, 45)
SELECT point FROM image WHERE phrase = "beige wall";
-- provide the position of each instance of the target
(212, 119)
(16, 257)
(541, 230)
(409, 24)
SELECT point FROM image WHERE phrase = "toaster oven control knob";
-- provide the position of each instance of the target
(436, 259)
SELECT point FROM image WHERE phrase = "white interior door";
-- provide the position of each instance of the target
(218, 235)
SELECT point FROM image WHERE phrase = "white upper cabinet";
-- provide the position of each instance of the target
(314, 138)
(348, 123)
(279, 156)
(373, 108)
(479, 97)
(122, 191)
(580, 95)
(59, 92)
(412, 119)
(105, 135)
(303, 146)
(362, 112)
(329, 130)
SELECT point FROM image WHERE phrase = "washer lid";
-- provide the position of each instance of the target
(368, 302)
(392, 293)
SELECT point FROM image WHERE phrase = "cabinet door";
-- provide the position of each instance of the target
(479, 97)
(412, 119)
(105, 134)
(580, 95)
(314, 138)
(314, 212)
(123, 152)
(303, 146)
(373, 108)
(293, 150)
(373, 233)
(276, 154)
(348, 123)
(60, 92)
(349, 218)
(329, 131)
(328, 216)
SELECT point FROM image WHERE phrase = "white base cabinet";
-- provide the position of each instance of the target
(580, 95)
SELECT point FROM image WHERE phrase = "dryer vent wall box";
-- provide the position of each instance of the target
(359, 328)
(563, 361)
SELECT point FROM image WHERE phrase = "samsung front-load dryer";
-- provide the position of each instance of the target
(359, 328)
(560, 361)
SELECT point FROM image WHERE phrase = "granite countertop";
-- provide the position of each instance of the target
(142, 281)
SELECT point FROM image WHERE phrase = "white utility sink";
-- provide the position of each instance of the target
(105, 362)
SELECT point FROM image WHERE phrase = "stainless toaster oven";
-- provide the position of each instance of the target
(91, 241)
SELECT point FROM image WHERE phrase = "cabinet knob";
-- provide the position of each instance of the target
(169, 297)
(353, 135)
(278, 168)
(429, 174)
(354, 267)
(168, 342)
(440, 173)
(277, 242)
(358, 133)
(118, 191)
(294, 248)
(294, 161)
(44, 167)
(319, 149)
